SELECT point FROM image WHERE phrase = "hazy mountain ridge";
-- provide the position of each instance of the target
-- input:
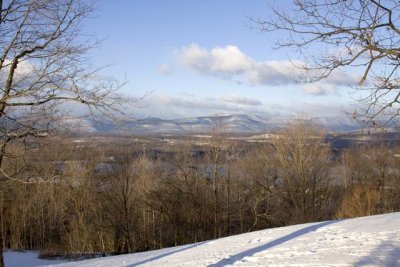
(240, 123)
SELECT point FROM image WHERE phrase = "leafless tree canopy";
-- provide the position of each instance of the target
(338, 34)
(44, 63)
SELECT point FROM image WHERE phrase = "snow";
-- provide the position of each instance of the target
(26, 259)
(366, 241)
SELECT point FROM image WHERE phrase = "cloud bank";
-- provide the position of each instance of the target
(230, 63)
(180, 106)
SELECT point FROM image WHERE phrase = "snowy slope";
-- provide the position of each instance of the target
(26, 259)
(372, 241)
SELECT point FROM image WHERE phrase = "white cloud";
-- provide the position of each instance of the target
(241, 100)
(341, 78)
(229, 59)
(23, 69)
(319, 89)
(219, 61)
(166, 106)
(275, 73)
(231, 63)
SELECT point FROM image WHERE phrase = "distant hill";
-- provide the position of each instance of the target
(238, 123)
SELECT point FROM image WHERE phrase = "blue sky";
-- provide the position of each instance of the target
(201, 58)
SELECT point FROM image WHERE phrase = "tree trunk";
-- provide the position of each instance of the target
(1, 242)
(2, 152)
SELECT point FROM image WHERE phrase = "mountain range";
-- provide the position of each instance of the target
(238, 123)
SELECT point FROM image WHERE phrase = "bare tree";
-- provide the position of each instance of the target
(370, 177)
(332, 35)
(303, 161)
(44, 64)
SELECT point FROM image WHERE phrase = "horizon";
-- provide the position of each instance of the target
(178, 64)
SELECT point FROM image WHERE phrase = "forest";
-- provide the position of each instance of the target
(82, 199)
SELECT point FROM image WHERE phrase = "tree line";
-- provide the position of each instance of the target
(102, 198)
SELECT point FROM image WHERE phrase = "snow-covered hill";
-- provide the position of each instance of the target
(366, 241)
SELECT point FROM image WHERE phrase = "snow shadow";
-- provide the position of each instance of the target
(165, 254)
(386, 254)
(273, 243)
